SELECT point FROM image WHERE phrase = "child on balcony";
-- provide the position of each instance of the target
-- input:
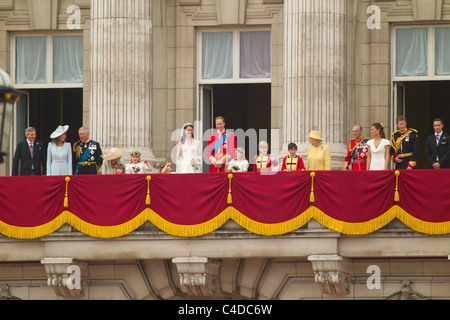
(264, 161)
(136, 165)
(239, 163)
(293, 162)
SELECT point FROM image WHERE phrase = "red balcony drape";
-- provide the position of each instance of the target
(191, 205)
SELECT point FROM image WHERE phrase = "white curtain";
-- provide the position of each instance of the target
(412, 52)
(217, 55)
(442, 51)
(30, 60)
(68, 59)
(255, 54)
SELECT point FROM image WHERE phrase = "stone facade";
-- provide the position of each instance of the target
(231, 263)
(329, 71)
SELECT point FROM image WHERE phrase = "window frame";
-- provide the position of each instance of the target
(49, 61)
(236, 79)
(432, 76)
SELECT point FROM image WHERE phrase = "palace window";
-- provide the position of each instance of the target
(422, 53)
(235, 56)
(47, 61)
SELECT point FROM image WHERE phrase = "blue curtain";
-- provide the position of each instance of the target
(442, 51)
(30, 60)
(68, 59)
(217, 55)
(412, 52)
(255, 54)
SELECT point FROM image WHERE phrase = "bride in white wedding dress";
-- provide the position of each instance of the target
(378, 155)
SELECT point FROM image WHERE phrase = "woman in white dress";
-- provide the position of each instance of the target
(59, 153)
(189, 152)
(378, 155)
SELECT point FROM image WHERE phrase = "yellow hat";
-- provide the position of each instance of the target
(315, 135)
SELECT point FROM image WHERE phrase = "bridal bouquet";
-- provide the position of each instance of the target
(196, 163)
(236, 168)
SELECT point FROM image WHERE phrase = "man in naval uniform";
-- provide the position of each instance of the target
(86, 154)
(404, 145)
(357, 151)
(221, 145)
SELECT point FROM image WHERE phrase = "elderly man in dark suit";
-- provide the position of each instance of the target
(437, 150)
(30, 156)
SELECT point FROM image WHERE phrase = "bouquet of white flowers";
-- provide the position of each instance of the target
(196, 163)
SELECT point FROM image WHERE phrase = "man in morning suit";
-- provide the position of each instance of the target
(87, 154)
(404, 150)
(30, 156)
(437, 149)
(221, 145)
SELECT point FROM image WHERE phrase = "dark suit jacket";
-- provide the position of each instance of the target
(23, 159)
(441, 150)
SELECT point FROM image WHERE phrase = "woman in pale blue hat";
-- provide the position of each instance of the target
(59, 153)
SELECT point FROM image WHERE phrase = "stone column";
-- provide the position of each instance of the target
(315, 69)
(121, 77)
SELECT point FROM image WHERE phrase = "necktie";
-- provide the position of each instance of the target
(31, 147)
(437, 138)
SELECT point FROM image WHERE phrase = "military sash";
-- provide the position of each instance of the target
(220, 142)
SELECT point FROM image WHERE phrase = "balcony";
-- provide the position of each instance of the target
(327, 223)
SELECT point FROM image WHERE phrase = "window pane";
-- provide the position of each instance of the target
(217, 55)
(412, 52)
(442, 51)
(68, 59)
(30, 60)
(255, 54)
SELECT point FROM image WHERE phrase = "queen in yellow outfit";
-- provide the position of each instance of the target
(318, 156)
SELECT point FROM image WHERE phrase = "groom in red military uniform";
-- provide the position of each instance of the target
(221, 145)
(357, 151)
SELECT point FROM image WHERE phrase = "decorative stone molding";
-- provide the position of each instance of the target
(5, 294)
(190, 2)
(43, 8)
(60, 276)
(231, 12)
(332, 273)
(406, 293)
(427, 9)
(198, 276)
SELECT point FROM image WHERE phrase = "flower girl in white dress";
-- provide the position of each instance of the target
(378, 155)
(239, 163)
(136, 166)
